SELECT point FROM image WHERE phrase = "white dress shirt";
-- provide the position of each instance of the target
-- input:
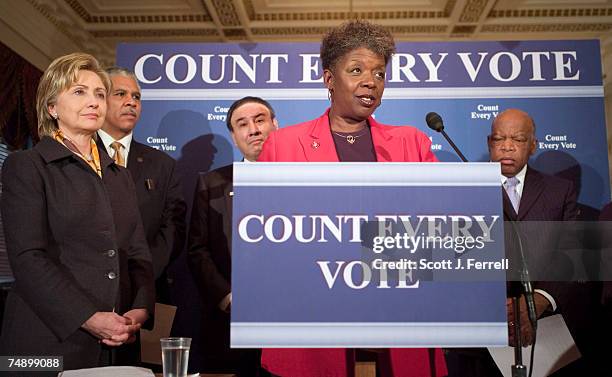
(521, 180)
(107, 140)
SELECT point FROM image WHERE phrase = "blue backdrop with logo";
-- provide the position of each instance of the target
(187, 89)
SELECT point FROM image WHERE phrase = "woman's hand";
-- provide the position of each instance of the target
(139, 316)
(111, 328)
(136, 316)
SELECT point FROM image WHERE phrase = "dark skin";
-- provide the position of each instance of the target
(541, 304)
(356, 83)
(511, 143)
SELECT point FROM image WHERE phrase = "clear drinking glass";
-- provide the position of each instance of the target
(175, 356)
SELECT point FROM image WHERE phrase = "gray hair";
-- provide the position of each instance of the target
(120, 71)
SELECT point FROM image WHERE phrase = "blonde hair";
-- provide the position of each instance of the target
(61, 74)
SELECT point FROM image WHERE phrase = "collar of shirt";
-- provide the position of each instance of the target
(244, 159)
(107, 140)
(521, 177)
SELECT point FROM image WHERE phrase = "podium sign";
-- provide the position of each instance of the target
(368, 255)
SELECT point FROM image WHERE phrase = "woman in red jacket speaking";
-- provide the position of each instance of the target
(354, 58)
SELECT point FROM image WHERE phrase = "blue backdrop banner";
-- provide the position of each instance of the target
(188, 88)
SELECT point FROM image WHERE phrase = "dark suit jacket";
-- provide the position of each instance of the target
(76, 246)
(209, 258)
(546, 203)
(209, 245)
(605, 244)
(162, 208)
(544, 198)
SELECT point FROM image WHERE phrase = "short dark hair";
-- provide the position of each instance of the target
(243, 101)
(352, 35)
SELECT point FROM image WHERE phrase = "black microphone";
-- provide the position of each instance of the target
(434, 121)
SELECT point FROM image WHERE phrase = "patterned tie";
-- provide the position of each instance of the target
(510, 186)
(118, 157)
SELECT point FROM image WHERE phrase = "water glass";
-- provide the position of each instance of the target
(175, 356)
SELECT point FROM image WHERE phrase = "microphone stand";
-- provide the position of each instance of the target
(518, 369)
(434, 121)
(461, 156)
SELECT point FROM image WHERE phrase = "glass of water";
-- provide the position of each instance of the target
(175, 356)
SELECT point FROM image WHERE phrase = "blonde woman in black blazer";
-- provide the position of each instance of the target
(83, 272)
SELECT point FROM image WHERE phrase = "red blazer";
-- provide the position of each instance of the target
(312, 141)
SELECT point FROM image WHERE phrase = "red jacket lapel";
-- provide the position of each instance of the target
(317, 143)
(388, 148)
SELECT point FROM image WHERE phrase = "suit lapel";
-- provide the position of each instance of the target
(136, 160)
(532, 189)
(509, 212)
(387, 147)
(105, 161)
(318, 144)
(101, 147)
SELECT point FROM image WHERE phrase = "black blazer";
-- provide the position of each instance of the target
(76, 247)
(547, 203)
(209, 253)
(210, 235)
(544, 198)
(162, 208)
(161, 203)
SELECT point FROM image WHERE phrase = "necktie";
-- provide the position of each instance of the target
(118, 157)
(510, 186)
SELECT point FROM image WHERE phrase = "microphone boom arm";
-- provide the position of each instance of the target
(461, 156)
